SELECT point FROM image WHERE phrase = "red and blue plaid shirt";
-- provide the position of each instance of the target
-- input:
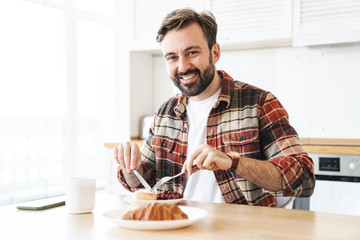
(245, 119)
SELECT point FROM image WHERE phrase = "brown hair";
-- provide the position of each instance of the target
(181, 18)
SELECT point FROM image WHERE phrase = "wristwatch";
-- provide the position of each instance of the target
(235, 157)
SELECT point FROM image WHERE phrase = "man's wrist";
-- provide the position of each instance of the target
(130, 178)
(235, 157)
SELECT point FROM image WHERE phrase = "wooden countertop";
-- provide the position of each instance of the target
(226, 221)
(331, 145)
(311, 145)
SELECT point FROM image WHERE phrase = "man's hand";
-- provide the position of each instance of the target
(262, 173)
(128, 156)
(206, 157)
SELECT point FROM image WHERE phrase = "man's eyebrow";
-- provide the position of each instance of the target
(186, 49)
(192, 47)
(169, 54)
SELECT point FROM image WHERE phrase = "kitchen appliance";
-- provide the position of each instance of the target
(145, 126)
(337, 188)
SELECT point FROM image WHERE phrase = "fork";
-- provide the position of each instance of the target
(167, 178)
(142, 180)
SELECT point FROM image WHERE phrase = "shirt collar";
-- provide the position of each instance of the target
(227, 90)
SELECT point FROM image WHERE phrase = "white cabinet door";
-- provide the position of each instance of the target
(326, 22)
(336, 197)
(241, 24)
(334, 92)
(253, 23)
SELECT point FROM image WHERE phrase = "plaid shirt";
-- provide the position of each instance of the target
(245, 119)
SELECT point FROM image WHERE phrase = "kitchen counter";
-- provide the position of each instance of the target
(331, 145)
(311, 145)
(226, 221)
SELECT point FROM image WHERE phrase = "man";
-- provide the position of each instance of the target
(237, 135)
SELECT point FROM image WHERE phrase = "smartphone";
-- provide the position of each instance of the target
(41, 204)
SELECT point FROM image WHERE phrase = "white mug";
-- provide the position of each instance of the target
(80, 194)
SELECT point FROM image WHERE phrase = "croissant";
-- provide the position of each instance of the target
(155, 212)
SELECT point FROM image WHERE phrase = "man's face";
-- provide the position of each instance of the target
(189, 61)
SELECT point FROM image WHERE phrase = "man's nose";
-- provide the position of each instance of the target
(184, 65)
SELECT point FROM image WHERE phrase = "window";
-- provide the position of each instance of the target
(56, 94)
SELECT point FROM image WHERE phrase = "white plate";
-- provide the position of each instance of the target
(194, 214)
(131, 199)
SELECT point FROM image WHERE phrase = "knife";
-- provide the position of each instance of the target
(142, 180)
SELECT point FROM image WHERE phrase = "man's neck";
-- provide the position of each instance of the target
(214, 86)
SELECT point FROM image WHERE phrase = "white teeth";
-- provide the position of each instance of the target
(186, 78)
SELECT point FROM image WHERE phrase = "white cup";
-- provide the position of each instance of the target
(80, 194)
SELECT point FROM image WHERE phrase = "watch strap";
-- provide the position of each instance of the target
(235, 162)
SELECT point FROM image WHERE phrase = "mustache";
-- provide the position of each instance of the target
(180, 74)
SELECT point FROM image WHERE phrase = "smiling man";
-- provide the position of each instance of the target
(238, 135)
(190, 62)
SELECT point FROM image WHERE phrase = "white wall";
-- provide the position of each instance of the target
(318, 86)
(150, 87)
(163, 85)
(141, 89)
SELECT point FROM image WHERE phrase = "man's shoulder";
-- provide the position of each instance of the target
(168, 106)
(244, 89)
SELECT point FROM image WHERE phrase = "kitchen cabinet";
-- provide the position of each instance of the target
(251, 24)
(334, 96)
(326, 22)
(258, 23)
(241, 24)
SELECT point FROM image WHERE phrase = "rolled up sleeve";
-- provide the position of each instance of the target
(281, 146)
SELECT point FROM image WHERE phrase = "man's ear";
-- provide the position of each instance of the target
(216, 52)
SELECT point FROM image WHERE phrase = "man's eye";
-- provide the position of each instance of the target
(172, 58)
(192, 53)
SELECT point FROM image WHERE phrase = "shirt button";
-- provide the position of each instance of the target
(241, 138)
(182, 155)
(163, 145)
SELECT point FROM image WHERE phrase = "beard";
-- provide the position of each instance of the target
(204, 80)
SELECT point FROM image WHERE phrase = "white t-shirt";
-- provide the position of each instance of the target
(202, 185)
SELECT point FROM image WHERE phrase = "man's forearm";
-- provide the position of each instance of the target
(262, 173)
